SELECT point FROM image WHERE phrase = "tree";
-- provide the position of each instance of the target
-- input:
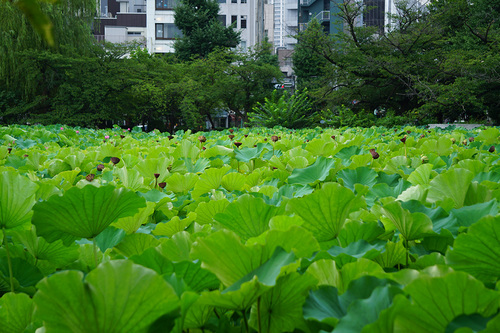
(440, 62)
(202, 31)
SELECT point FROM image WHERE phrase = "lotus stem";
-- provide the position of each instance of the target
(9, 262)
(95, 251)
(407, 253)
(245, 320)
(258, 315)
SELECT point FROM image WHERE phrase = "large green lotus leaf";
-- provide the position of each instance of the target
(16, 312)
(297, 162)
(246, 154)
(136, 244)
(346, 153)
(209, 180)
(149, 166)
(206, 211)
(223, 254)
(248, 216)
(132, 223)
(118, 296)
(280, 308)
(361, 175)
(24, 273)
(195, 277)
(325, 211)
(323, 305)
(17, 197)
(233, 181)
(478, 250)
(451, 184)
(411, 225)
(393, 255)
(356, 230)
(313, 173)
(435, 302)
(478, 193)
(177, 248)
(469, 323)
(179, 183)
(359, 249)
(371, 307)
(40, 249)
(441, 147)
(465, 217)
(293, 239)
(186, 149)
(488, 136)
(83, 213)
(199, 166)
(174, 226)
(130, 178)
(109, 238)
(421, 175)
(239, 299)
(474, 166)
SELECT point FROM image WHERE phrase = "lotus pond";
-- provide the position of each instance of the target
(249, 230)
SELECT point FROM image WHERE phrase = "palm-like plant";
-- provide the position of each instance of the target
(291, 111)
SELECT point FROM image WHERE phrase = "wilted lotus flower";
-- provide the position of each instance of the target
(471, 139)
(422, 136)
(100, 167)
(203, 147)
(157, 175)
(246, 135)
(333, 137)
(395, 130)
(115, 160)
(162, 185)
(202, 138)
(492, 149)
(26, 155)
(453, 140)
(122, 136)
(403, 140)
(170, 137)
(425, 159)
(90, 177)
(231, 130)
(9, 149)
(375, 155)
(464, 142)
(231, 136)
(274, 138)
(237, 144)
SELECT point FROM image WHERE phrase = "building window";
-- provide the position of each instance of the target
(243, 46)
(234, 1)
(243, 22)
(222, 1)
(234, 20)
(166, 4)
(167, 31)
(243, 1)
(133, 33)
(222, 19)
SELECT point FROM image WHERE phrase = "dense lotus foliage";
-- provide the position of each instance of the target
(249, 230)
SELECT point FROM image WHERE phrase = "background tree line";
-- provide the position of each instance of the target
(82, 82)
(432, 64)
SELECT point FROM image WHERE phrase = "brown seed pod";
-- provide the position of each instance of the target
(403, 140)
(375, 155)
(274, 138)
(100, 167)
(162, 185)
(231, 130)
(170, 137)
(425, 159)
(90, 177)
(471, 139)
(202, 139)
(157, 175)
(231, 136)
(492, 149)
(122, 136)
(333, 137)
(115, 160)
(237, 144)
(453, 140)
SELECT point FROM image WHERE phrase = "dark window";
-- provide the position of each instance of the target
(222, 1)
(243, 1)
(234, 18)
(234, 1)
(166, 4)
(167, 31)
(374, 16)
(222, 19)
(243, 22)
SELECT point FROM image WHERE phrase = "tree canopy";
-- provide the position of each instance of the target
(435, 63)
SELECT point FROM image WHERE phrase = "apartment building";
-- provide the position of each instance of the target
(121, 21)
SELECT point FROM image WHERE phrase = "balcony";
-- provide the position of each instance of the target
(306, 3)
(322, 16)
